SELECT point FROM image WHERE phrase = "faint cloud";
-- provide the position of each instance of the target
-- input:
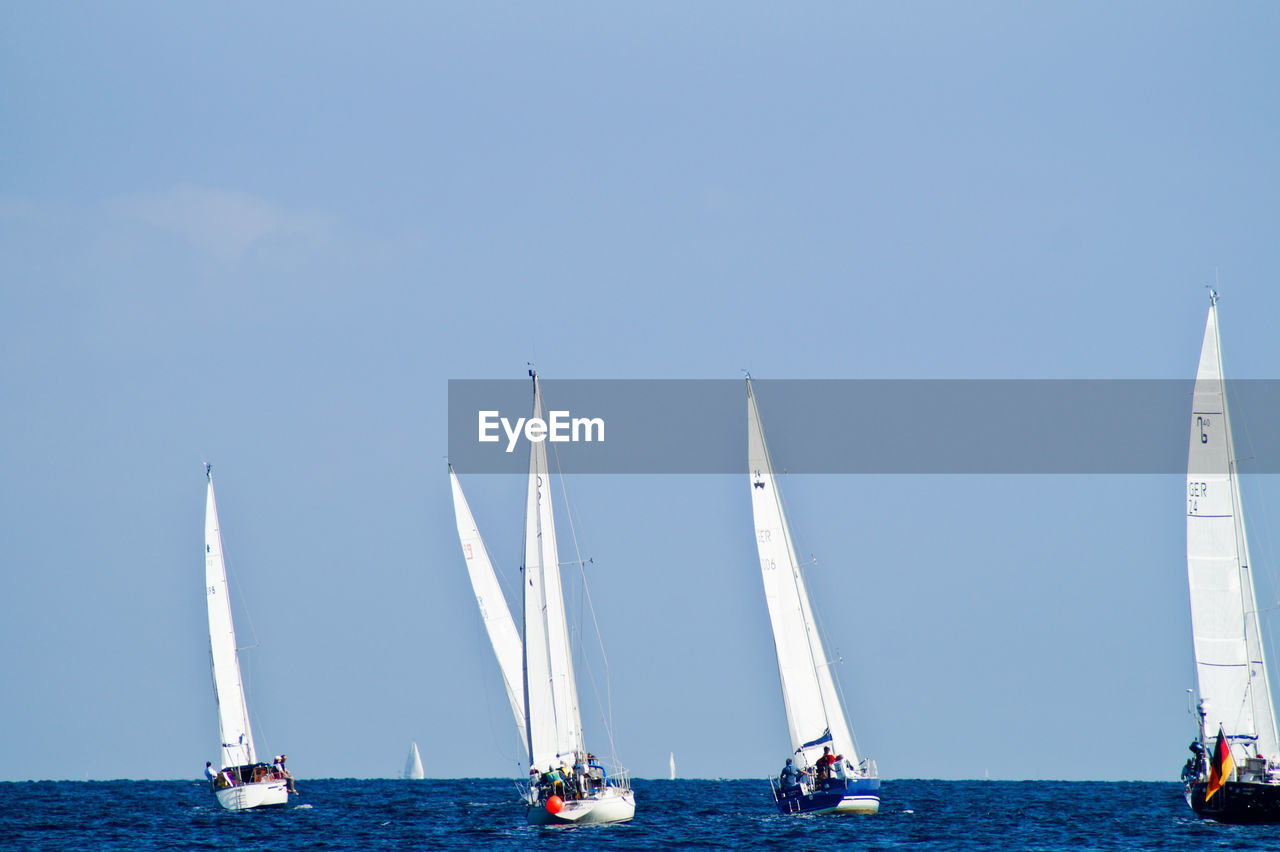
(223, 222)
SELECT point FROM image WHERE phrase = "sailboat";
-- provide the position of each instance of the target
(413, 764)
(567, 785)
(829, 777)
(243, 782)
(672, 767)
(1234, 772)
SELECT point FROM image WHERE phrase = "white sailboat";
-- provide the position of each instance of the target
(824, 773)
(413, 764)
(243, 782)
(567, 785)
(1234, 774)
(672, 767)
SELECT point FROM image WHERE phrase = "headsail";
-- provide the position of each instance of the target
(493, 606)
(815, 716)
(1231, 667)
(228, 687)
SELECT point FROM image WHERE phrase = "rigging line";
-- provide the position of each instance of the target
(240, 595)
(251, 719)
(608, 680)
(1244, 569)
(1268, 548)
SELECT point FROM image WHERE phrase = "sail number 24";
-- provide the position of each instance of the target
(1195, 490)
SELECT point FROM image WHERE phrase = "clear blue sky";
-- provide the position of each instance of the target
(267, 236)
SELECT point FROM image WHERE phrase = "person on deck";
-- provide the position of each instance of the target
(792, 775)
(208, 771)
(556, 779)
(824, 763)
(287, 774)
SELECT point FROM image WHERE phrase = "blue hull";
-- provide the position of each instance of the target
(1239, 802)
(851, 796)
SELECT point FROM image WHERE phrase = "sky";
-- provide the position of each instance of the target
(267, 236)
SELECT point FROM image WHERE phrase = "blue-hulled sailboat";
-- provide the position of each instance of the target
(827, 774)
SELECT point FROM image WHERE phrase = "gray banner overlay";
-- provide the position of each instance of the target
(862, 426)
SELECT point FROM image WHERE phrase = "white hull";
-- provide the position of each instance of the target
(613, 805)
(264, 794)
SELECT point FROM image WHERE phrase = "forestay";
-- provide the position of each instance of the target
(1230, 665)
(233, 713)
(815, 716)
(498, 622)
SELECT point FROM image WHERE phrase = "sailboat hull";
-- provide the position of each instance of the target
(1240, 802)
(264, 794)
(837, 796)
(611, 805)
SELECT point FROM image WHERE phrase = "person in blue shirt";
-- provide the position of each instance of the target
(208, 771)
(792, 775)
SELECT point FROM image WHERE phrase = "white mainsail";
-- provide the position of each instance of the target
(551, 695)
(815, 716)
(1231, 668)
(413, 764)
(672, 766)
(228, 687)
(498, 622)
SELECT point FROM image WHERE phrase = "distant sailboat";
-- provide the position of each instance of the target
(244, 782)
(548, 709)
(1234, 773)
(672, 765)
(815, 715)
(413, 764)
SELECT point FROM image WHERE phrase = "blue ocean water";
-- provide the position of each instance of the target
(484, 814)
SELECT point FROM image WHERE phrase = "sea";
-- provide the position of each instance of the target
(470, 813)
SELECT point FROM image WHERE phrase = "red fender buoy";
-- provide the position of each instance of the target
(555, 805)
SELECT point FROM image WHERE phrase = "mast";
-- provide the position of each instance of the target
(228, 687)
(815, 715)
(1231, 669)
(494, 612)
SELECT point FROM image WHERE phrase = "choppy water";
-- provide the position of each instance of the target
(484, 814)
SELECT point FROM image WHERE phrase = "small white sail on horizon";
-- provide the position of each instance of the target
(672, 767)
(413, 764)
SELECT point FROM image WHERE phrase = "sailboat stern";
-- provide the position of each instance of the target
(611, 804)
(1237, 802)
(264, 794)
(835, 796)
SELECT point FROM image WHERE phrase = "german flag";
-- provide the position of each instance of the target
(1220, 767)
